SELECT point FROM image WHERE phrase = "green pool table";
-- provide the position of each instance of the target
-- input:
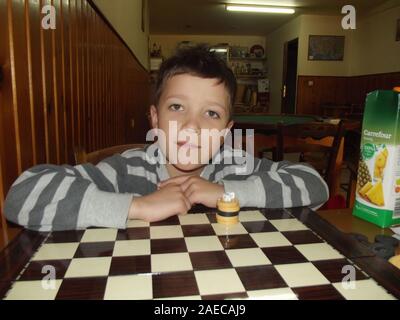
(267, 122)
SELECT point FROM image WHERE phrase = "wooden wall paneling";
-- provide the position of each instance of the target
(112, 85)
(72, 70)
(62, 81)
(90, 78)
(48, 92)
(93, 67)
(111, 111)
(114, 111)
(102, 63)
(10, 162)
(3, 224)
(104, 40)
(67, 82)
(121, 97)
(55, 81)
(3, 62)
(81, 72)
(97, 110)
(340, 90)
(84, 86)
(58, 75)
(94, 47)
(85, 80)
(33, 27)
(20, 84)
(103, 83)
(75, 61)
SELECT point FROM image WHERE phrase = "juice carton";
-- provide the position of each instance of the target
(378, 181)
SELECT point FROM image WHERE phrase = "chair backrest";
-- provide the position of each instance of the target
(81, 156)
(314, 131)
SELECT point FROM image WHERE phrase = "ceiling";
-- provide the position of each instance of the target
(210, 16)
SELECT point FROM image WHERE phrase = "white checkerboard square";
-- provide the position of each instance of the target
(32, 290)
(191, 219)
(131, 248)
(99, 235)
(56, 251)
(168, 262)
(88, 267)
(270, 239)
(202, 244)
(218, 281)
(166, 232)
(284, 225)
(318, 251)
(247, 257)
(227, 230)
(301, 275)
(126, 288)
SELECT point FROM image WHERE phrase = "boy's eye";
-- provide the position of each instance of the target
(213, 114)
(176, 107)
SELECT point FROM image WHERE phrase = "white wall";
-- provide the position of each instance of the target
(374, 47)
(275, 45)
(126, 18)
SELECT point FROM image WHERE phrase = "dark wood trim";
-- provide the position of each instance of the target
(108, 23)
(377, 268)
(364, 75)
(18, 253)
(387, 275)
(347, 245)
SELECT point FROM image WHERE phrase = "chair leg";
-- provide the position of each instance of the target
(351, 192)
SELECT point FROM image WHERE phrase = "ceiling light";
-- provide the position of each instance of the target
(263, 9)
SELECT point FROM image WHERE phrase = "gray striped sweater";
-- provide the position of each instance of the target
(49, 197)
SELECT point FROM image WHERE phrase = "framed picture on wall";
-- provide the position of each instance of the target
(398, 30)
(325, 48)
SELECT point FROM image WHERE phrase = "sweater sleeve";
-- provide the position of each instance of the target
(48, 197)
(278, 185)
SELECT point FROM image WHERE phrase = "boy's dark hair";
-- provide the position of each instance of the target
(200, 62)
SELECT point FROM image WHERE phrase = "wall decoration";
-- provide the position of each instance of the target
(326, 48)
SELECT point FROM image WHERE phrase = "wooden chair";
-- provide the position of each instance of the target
(305, 139)
(81, 156)
(350, 161)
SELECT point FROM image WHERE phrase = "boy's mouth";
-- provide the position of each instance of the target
(187, 144)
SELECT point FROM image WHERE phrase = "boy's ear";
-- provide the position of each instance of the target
(230, 124)
(154, 117)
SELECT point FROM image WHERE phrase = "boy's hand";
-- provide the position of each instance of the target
(160, 205)
(197, 190)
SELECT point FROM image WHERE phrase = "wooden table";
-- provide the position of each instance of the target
(281, 254)
(344, 221)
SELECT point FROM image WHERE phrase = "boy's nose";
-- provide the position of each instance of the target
(192, 126)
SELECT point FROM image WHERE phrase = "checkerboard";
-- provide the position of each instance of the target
(268, 255)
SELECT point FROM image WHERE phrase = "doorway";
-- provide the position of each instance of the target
(289, 79)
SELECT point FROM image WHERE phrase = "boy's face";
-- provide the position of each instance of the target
(190, 105)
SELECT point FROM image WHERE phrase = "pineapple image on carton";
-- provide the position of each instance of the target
(379, 167)
(375, 194)
(380, 163)
(364, 179)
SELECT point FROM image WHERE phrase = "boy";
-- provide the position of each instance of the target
(195, 91)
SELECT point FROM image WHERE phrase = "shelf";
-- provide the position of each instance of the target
(250, 77)
(247, 59)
